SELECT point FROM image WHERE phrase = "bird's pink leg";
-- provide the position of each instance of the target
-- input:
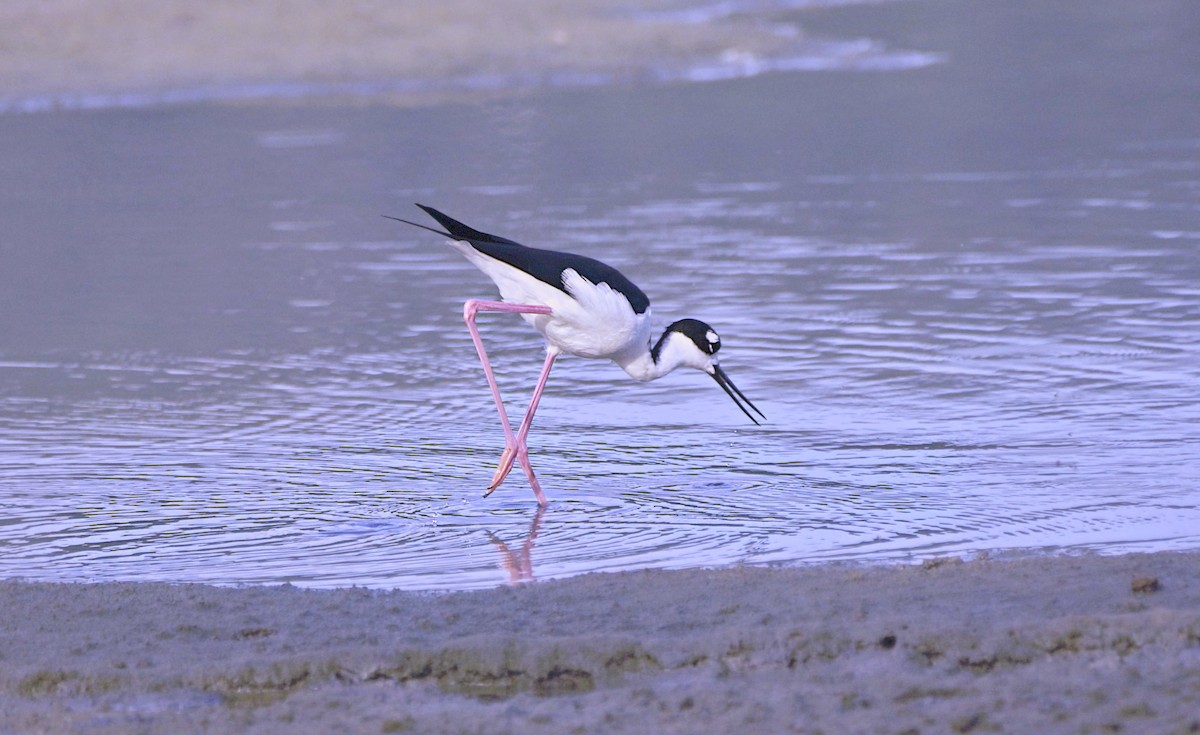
(519, 451)
(514, 448)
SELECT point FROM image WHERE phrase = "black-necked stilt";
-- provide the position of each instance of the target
(582, 307)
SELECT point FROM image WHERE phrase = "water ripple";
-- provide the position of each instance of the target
(925, 396)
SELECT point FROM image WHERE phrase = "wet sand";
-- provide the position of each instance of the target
(1063, 644)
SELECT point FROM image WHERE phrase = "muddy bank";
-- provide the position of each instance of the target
(1071, 644)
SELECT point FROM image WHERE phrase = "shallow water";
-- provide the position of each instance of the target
(967, 298)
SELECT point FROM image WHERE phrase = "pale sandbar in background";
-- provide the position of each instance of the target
(139, 46)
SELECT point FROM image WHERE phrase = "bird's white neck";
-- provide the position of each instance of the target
(673, 350)
(640, 366)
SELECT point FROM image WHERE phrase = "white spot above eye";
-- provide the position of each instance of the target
(712, 337)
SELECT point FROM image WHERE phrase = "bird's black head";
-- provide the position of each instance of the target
(692, 343)
(703, 336)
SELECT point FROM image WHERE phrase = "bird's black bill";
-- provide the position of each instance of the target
(724, 381)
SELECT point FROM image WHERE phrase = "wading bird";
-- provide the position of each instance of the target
(582, 307)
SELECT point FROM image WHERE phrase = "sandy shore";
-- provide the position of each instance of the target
(1062, 645)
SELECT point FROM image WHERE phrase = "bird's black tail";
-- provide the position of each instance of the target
(434, 230)
(457, 229)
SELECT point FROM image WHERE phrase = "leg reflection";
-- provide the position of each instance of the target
(519, 564)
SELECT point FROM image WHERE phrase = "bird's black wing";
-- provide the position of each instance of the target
(545, 265)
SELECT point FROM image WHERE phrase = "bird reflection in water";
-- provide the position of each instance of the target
(519, 563)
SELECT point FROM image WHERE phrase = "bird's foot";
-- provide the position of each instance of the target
(510, 456)
(506, 464)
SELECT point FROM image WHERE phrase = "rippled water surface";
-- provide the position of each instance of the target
(969, 310)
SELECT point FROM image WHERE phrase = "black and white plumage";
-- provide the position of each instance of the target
(582, 307)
